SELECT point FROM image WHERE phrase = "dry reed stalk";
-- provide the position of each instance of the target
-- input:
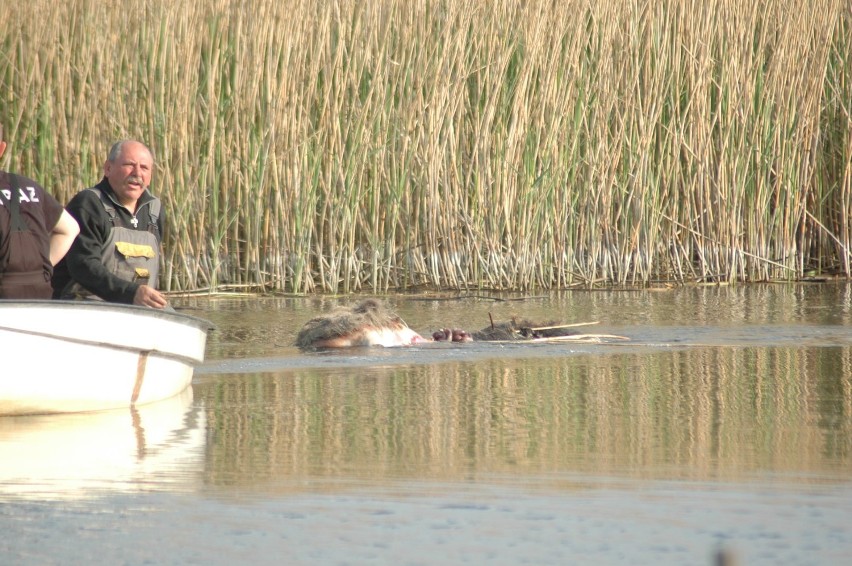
(571, 325)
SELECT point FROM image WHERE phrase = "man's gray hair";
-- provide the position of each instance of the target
(115, 150)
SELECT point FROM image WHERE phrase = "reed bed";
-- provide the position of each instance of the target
(348, 146)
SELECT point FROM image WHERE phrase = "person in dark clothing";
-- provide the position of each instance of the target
(116, 257)
(35, 233)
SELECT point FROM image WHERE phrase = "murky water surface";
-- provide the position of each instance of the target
(724, 422)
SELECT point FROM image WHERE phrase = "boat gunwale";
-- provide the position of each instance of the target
(198, 322)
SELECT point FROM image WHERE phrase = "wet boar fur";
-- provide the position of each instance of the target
(342, 321)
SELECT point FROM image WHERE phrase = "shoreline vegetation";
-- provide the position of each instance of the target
(341, 147)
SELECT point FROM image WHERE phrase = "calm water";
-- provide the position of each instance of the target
(724, 422)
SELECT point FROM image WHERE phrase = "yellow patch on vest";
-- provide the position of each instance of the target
(134, 250)
(141, 272)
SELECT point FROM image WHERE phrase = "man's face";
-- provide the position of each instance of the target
(130, 174)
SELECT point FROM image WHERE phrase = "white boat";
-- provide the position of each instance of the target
(74, 356)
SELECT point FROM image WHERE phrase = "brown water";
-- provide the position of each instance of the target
(725, 422)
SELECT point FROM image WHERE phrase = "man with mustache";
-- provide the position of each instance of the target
(116, 257)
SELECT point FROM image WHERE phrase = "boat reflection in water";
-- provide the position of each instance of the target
(153, 447)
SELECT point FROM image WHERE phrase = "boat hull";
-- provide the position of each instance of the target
(73, 356)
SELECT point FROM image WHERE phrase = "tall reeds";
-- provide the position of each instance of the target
(351, 146)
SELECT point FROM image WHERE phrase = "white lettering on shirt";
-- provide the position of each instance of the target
(25, 194)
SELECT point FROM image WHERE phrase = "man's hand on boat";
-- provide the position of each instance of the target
(147, 296)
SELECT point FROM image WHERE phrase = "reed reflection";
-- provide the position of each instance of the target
(722, 413)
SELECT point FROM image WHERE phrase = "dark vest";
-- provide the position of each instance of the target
(131, 254)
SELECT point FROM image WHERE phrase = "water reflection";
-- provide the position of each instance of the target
(697, 413)
(73, 456)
